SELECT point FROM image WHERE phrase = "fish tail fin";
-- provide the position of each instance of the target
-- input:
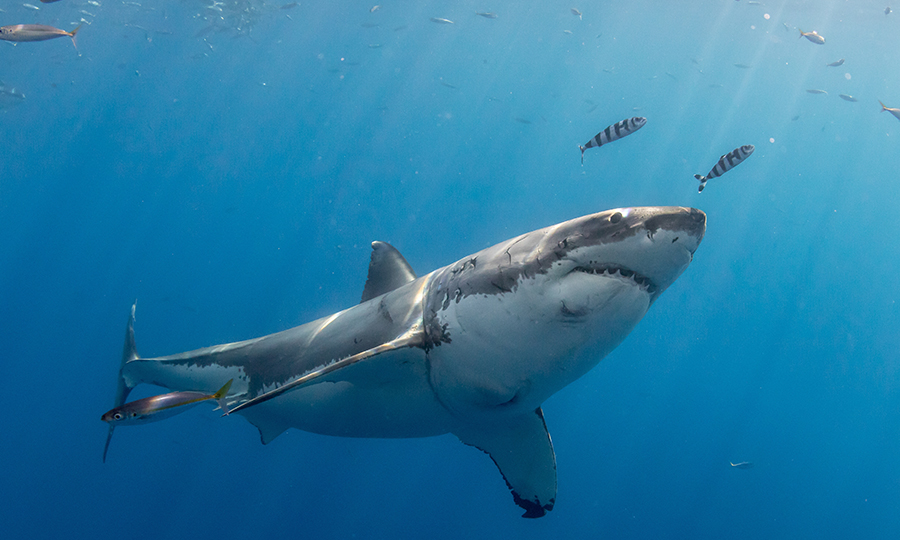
(129, 353)
(582, 153)
(703, 180)
(220, 397)
(72, 35)
(883, 108)
(801, 32)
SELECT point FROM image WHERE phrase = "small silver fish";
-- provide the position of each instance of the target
(742, 66)
(725, 164)
(374, 9)
(614, 133)
(156, 408)
(486, 14)
(887, 10)
(813, 36)
(35, 32)
(30, 6)
(892, 110)
(51, 1)
(847, 97)
(836, 64)
(742, 465)
(816, 91)
(440, 20)
(576, 12)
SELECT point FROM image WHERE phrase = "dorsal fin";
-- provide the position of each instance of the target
(388, 270)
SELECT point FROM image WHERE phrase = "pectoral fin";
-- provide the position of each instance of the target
(523, 452)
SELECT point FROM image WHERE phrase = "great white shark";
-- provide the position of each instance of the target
(472, 349)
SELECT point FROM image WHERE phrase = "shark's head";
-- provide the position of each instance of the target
(551, 303)
(645, 248)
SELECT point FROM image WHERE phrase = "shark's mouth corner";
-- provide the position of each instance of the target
(610, 270)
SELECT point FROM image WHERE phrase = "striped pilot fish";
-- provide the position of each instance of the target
(725, 164)
(155, 408)
(614, 133)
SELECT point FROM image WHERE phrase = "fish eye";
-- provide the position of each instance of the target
(117, 416)
(615, 218)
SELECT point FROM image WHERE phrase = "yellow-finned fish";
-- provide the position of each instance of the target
(892, 110)
(161, 407)
(35, 32)
(813, 36)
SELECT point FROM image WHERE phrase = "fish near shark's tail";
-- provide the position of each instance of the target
(582, 153)
(129, 353)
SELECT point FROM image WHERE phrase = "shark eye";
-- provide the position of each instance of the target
(615, 218)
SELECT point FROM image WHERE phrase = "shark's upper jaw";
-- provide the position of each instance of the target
(649, 246)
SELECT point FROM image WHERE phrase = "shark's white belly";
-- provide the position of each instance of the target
(512, 351)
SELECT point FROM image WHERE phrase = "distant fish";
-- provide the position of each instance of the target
(742, 465)
(156, 408)
(486, 14)
(812, 36)
(895, 112)
(441, 21)
(31, 6)
(576, 13)
(49, 1)
(786, 27)
(816, 91)
(614, 133)
(795, 118)
(725, 164)
(887, 10)
(742, 66)
(848, 97)
(374, 8)
(292, 5)
(521, 120)
(836, 64)
(35, 32)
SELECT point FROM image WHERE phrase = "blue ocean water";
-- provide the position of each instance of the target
(228, 164)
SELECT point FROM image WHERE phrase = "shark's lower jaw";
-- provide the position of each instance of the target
(645, 283)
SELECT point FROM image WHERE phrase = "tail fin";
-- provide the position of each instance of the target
(220, 397)
(702, 182)
(72, 35)
(883, 108)
(129, 353)
(801, 32)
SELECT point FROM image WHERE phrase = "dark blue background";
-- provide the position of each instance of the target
(230, 174)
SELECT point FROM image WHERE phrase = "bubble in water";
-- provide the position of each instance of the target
(766, 16)
(847, 76)
(771, 139)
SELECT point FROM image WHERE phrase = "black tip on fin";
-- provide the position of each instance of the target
(388, 270)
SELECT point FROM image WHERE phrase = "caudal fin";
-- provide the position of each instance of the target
(129, 353)
(220, 397)
(702, 182)
(72, 35)
(883, 108)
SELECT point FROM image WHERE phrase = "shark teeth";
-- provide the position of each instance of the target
(617, 271)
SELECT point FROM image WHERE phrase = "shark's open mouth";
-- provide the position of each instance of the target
(617, 271)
